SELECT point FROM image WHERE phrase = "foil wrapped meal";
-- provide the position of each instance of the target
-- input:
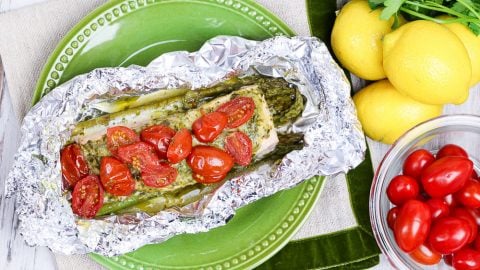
(333, 141)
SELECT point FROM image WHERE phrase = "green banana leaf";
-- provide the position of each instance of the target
(353, 248)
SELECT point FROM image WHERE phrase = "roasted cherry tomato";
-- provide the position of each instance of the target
(74, 166)
(466, 259)
(438, 207)
(451, 150)
(140, 155)
(238, 110)
(116, 177)
(449, 234)
(118, 136)
(412, 225)
(159, 176)
(239, 146)
(425, 255)
(416, 162)
(159, 136)
(209, 162)
(402, 188)
(87, 197)
(180, 146)
(469, 195)
(209, 126)
(446, 175)
(209, 179)
(469, 218)
(392, 217)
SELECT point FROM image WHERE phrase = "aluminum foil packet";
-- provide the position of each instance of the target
(333, 141)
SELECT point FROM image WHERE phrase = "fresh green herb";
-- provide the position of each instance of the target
(391, 8)
(466, 12)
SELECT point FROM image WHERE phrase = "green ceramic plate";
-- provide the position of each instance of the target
(121, 33)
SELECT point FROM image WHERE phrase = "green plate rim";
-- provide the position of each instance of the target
(114, 9)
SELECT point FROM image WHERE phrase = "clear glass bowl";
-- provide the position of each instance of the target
(463, 130)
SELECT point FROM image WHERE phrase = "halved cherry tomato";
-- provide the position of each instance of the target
(239, 146)
(438, 207)
(87, 197)
(209, 126)
(392, 217)
(425, 255)
(470, 219)
(446, 175)
(209, 179)
(209, 162)
(466, 259)
(116, 177)
(118, 136)
(238, 110)
(451, 150)
(416, 162)
(159, 176)
(469, 195)
(402, 188)
(74, 166)
(412, 225)
(159, 136)
(180, 146)
(449, 234)
(140, 155)
(474, 175)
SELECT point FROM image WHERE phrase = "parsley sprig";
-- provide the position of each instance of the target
(466, 12)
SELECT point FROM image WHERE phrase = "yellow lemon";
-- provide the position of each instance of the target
(471, 43)
(386, 114)
(427, 62)
(357, 39)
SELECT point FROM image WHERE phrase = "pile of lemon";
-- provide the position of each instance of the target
(421, 66)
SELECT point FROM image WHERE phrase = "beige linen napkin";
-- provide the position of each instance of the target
(29, 35)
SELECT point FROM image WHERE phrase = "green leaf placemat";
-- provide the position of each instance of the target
(353, 248)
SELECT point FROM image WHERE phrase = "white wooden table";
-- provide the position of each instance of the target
(14, 254)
